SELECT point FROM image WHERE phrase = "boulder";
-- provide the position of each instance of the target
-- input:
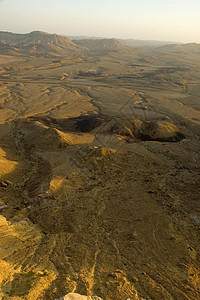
(75, 296)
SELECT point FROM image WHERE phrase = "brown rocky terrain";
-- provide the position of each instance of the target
(99, 175)
(101, 46)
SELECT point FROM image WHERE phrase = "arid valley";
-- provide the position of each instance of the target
(99, 168)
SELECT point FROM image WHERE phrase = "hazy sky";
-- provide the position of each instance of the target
(171, 20)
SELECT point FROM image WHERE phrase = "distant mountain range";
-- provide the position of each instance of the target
(143, 43)
(101, 44)
(42, 43)
(39, 43)
(133, 43)
(36, 37)
(36, 43)
(192, 48)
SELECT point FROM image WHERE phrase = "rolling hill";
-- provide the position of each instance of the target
(36, 42)
(102, 45)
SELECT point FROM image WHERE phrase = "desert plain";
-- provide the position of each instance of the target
(99, 169)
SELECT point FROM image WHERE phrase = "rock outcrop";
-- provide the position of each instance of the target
(75, 296)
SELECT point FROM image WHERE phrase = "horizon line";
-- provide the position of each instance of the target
(100, 37)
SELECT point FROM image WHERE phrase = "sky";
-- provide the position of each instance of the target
(165, 20)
